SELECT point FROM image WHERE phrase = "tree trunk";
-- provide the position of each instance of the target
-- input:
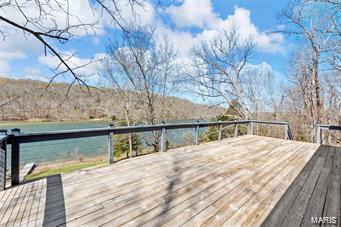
(130, 152)
(317, 86)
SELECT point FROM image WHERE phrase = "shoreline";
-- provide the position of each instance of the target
(45, 165)
(41, 120)
(47, 169)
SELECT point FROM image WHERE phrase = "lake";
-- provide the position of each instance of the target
(73, 149)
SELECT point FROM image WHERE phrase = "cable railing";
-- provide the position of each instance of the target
(15, 138)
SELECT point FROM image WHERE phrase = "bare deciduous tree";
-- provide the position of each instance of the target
(218, 67)
(317, 23)
(121, 88)
(145, 67)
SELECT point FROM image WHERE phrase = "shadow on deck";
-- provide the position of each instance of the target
(234, 182)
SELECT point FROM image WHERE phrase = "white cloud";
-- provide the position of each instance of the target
(5, 68)
(193, 13)
(264, 67)
(16, 46)
(88, 68)
(183, 42)
(201, 15)
(33, 73)
(242, 23)
(7, 55)
(139, 15)
(5, 58)
(142, 15)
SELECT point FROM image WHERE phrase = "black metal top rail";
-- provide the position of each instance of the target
(3, 138)
(319, 128)
(270, 122)
(81, 133)
(330, 127)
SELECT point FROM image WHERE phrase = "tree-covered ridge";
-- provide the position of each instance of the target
(29, 99)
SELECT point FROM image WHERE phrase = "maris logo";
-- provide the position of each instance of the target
(324, 220)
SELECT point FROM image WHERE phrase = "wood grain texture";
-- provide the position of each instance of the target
(232, 182)
(314, 193)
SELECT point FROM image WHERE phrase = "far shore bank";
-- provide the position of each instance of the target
(42, 120)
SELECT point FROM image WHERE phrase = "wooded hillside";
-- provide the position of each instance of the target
(30, 99)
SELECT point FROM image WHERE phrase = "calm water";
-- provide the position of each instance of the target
(73, 149)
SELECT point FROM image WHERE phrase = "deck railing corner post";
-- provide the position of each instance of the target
(163, 138)
(15, 157)
(318, 134)
(197, 134)
(3, 131)
(220, 130)
(250, 128)
(286, 130)
(3, 159)
(111, 151)
(235, 130)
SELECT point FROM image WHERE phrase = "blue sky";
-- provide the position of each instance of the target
(186, 23)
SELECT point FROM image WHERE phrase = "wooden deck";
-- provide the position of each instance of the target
(314, 193)
(233, 182)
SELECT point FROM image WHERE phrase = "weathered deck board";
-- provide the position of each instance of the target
(314, 193)
(235, 181)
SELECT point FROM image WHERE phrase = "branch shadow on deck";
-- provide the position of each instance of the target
(55, 202)
(173, 181)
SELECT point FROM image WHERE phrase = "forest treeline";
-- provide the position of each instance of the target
(31, 99)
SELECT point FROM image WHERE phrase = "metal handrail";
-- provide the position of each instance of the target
(287, 130)
(270, 122)
(319, 128)
(3, 138)
(81, 133)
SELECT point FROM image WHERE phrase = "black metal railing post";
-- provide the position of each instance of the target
(286, 130)
(15, 157)
(163, 138)
(235, 130)
(219, 131)
(250, 128)
(196, 137)
(3, 159)
(319, 138)
(111, 150)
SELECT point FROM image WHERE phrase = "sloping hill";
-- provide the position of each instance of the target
(31, 99)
